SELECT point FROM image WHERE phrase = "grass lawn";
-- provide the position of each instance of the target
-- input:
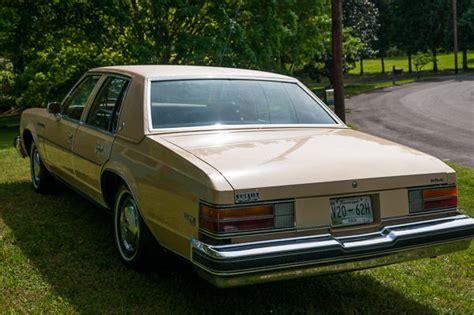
(445, 62)
(351, 89)
(8, 130)
(57, 255)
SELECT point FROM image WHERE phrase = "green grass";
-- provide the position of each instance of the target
(354, 88)
(8, 130)
(445, 62)
(57, 255)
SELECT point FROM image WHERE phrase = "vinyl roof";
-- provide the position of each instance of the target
(149, 71)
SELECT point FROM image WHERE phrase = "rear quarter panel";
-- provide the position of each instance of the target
(168, 184)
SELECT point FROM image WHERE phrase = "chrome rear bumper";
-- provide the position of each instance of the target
(254, 262)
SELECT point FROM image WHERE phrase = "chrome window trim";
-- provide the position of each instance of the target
(89, 99)
(147, 99)
(105, 77)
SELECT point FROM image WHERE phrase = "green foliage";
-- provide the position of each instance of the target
(421, 59)
(466, 26)
(45, 46)
(385, 21)
(50, 45)
(321, 64)
(362, 17)
(7, 77)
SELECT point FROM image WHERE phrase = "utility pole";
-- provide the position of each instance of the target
(455, 32)
(337, 79)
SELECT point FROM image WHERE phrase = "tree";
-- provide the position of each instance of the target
(51, 43)
(420, 60)
(421, 26)
(361, 16)
(436, 20)
(408, 26)
(466, 29)
(384, 32)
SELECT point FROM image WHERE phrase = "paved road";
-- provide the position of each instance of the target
(433, 117)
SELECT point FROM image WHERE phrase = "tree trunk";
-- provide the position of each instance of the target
(465, 66)
(435, 61)
(383, 64)
(410, 69)
(361, 65)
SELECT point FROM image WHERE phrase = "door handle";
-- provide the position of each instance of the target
(99, 148)
(69, 136)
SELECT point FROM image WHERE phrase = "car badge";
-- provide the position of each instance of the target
(247, 197)
(355, 184)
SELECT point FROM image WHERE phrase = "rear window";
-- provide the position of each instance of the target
(189, 103)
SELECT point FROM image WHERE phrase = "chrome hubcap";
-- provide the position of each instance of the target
(36, 166)
(129, 225)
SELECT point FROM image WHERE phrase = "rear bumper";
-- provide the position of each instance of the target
(18, 144)
(255, 262)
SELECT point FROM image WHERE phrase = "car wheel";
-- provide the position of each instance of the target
(133, 240)
(41, 179)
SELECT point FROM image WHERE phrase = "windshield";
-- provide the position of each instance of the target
(189, 103)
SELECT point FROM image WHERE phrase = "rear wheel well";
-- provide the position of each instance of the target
(27, 140)
(110, 184)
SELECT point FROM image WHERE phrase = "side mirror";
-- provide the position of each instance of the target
(54, 108)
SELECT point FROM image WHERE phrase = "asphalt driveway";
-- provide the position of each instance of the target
(433, 117)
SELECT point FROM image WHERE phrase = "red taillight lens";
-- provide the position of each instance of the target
(440, 198)
(231, 220)
(433, 199)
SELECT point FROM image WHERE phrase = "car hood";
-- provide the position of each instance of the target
(282, 163)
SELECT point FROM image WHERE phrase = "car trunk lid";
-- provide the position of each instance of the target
(300, 162)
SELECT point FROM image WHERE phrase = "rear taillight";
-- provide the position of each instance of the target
(246, 218)
(433, 199)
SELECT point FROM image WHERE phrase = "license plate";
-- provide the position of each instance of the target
(351, 211)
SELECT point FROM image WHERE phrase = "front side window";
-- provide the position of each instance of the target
(74, 105)
(188, 103)
(106, 107)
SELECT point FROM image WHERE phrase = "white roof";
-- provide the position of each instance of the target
(156, 71)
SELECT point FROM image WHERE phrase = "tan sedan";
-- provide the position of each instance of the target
(246, 174)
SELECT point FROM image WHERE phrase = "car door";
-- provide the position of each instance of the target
(96, 133)
(60, 131)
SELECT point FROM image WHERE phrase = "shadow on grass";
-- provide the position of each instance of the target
(69, 241)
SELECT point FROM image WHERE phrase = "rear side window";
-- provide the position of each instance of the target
(74, 105)
(106, 107)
